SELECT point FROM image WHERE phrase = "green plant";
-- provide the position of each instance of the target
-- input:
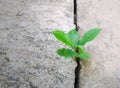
(76, 42)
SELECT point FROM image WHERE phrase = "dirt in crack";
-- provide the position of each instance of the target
(77, 73)
(78, 67)
(75, 15)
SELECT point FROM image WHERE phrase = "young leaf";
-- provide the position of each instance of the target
(81, 49)
(74, 36)
(89, 36)
(67, 53)
(60, 35)
(84, 56)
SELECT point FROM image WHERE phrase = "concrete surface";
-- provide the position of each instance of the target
(27, 48)
(103, 69)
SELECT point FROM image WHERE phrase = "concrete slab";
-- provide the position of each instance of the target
(27, 47)
(103, 69)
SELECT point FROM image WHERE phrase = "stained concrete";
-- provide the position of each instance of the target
(27, 46)
(103, 69)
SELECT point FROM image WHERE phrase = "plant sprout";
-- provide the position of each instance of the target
(75, 42)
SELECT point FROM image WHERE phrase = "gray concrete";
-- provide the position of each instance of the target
(103, 69)
(27, 48)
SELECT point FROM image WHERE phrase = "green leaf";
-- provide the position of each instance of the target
(84, 56)
(81, 50)
(60, 35)
(67, 53)
(89, 36)
(74, 36)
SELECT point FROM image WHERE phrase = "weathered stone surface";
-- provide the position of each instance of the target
(27, 48)
(103, 69)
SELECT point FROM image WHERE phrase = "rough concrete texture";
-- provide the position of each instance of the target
(27, 48)
(103, 69)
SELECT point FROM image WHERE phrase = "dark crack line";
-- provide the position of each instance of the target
(75, 15)
(78, 67)
(77, 73)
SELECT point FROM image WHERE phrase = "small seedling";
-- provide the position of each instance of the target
(75, 42)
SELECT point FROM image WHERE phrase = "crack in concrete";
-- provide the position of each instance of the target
(75, 15)
(77, 73)
(78, 67)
